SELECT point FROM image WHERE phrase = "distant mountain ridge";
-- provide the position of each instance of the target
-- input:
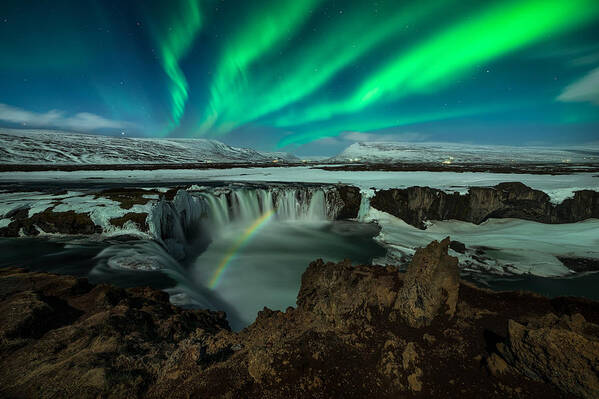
(57, 147)
(450, 153)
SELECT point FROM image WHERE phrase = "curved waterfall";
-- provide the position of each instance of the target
(188, 222)
(238, 248)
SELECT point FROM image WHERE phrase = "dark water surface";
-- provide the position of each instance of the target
(266, 271)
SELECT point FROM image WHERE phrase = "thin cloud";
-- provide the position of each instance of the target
(82, 121)
(361, 137)
(388, 137)
(584, 90)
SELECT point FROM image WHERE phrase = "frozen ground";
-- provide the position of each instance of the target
(557, 187)
(465, 153)
(509, 246)
(55, 147)
(100, 209)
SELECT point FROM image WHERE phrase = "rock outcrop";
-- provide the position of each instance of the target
(62, 337)
(69, 222)
(351, 197)
(416, 205)
(357, 332)
(562, 354)
(432, 281)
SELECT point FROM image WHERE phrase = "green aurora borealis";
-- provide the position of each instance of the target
(288, 73)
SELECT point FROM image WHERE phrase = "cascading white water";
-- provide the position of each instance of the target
(219, 210)
(247, 205)
(366, 195)
(178, 224)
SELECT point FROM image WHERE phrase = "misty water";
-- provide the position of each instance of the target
(256, 241)
(265, 272)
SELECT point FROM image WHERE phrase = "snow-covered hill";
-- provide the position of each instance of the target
(56, 147)
(463, 153)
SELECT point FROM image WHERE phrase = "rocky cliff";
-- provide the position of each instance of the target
(357, 332)
(416, 205)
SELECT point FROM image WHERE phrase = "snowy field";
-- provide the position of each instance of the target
(452, 153)
(558, 187)
(55, 147)
(511, 246)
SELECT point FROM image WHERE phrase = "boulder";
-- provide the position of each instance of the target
(432, 281)
(566, 358)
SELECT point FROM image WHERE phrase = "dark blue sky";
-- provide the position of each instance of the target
(310, 76)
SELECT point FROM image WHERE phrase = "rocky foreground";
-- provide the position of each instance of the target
(357, 332)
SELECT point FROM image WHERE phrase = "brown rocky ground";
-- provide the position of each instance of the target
(357, 332)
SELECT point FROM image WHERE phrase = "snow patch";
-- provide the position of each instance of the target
(456, 153)
(509, 246)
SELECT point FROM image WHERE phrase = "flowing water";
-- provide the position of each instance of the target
(233, 250)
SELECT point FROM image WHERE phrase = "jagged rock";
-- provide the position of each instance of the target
(69, 222)
(344, 339)
(416, 205)
(341, 294)
(432, 280)
(566, 358)
(458, 246)
(138, 219)
(351, 198)
(61, 337)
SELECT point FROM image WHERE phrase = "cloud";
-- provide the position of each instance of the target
(583, 90)
(82, 121)
(360, 137)
(376, 137)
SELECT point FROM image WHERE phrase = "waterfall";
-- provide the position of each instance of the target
(177, 223)
(193, 218)
(247, 204)
(366, 195)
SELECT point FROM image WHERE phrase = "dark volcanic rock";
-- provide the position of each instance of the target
(139, 219)
(351, 198)
(62, 337)
(579, 264)
(69, 222)
(556, 353)
(458, 246)
(431, 281)
(415, 205)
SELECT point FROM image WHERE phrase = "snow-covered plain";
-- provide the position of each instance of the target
(56, 147)
(558, 187)
(100, 209)
(464, 153)
(518, 246)
(511, 246)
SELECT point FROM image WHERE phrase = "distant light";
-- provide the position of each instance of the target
(447, 162)
(275, 160)
(122, 133)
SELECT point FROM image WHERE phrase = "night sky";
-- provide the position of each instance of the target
(307, 76)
